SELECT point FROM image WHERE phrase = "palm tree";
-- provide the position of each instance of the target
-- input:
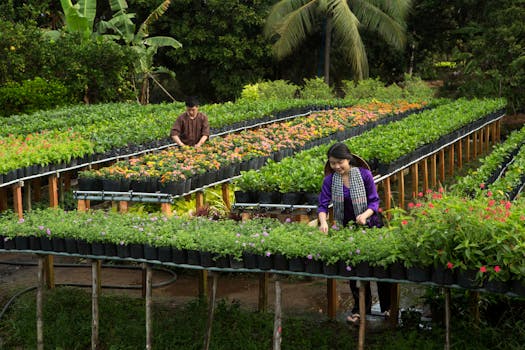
(290, 21)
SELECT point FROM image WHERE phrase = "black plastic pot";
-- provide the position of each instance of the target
(174, 188)
(329, 269)
(236, 264)
(380, 272)
(292, 198)
(398, 271)
(272, 197)
(34, 243)
(495, 286)
(311, 198)
(22, 243)
(150, 252)
(45, 244)
(280, 262)
(243, 197)
(111, 185)
(164, 254)
(194, 257)
(71, 245)
(136, 251)
(123, 251)
(418, 274)
(264, 262)
(343, 269)
(9, 244)
(59, 244)
(207, 259)
(250, 260)
(467, 279)
(222, 261)
(363, 269)
(180, 256)
(442, 275)
(110, 249)
(84, 247)
(296, 264)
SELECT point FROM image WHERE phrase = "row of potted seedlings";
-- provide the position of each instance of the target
(441, 238)
(386, 147)
(51, 140)
(179, 170)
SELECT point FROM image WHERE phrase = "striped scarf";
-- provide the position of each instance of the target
(357, 194)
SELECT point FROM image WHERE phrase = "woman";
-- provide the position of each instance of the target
(349, 185)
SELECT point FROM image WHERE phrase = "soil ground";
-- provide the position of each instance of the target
(301, 296)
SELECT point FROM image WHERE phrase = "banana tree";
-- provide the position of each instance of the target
(121, 28)
(80, 16)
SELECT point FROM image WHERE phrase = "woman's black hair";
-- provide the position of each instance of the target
(339, 151)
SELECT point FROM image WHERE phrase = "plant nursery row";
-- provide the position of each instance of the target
(179, 170)
(441, 238)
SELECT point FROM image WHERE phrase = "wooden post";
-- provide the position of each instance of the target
(203, 283)
(123, 206)
(394, 304)
(66, 178)
(199, 199)
(415, 179)
(460, 154)
(49, 271)
(211, 311)
(481, 141)
(451, 160)
(487, 138)
(331, 296)
(166, 209)
(467, 148)
(401, 188)
(474, 307)
(433, 170)
(264, 279)
(95, 292)
(226, 195)
(362, 314)
(442, 166)
(3, 199)
(475, 145)
(39, 305)
(83, 204)
(498, 130)
(277, 328)
(53, 190)
(493, 129)
(425, 175)
(17, 200)
(388, 193)
(144, 280)
(37, 189)
(149, 324)
(27, 195)
(447, 318)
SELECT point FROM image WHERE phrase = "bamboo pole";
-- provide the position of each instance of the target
(331, 296)
(264, 279)
(95, 292)
(53, 190)
(277, 324)
(27, 195)
(226, 195)
(39, 305)
(442, 166)
(17, 200)
(415, 179)
(451, 160)
(211, 311)
(425, 175)
(401, 188)
(447, 318)
(149, 324)
(433, 170)
(467, 148)
(362, 313)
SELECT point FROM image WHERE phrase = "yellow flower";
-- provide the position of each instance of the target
(12, 48)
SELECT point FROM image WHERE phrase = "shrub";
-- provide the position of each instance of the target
(414, 87)
(366, 88)
(316, 88)
(32, 95)
(269, 90)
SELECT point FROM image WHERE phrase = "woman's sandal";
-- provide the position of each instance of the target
(353, 319)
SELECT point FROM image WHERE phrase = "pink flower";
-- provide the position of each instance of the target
(309, 257)
(489, 194)
(450, 265)
(420, 194)
(348, 268)
(288, 220)
(404, 222)
(440, 190)
(268, 254)
(380, 210)
(482, 185)
(430, 205)
(497, 268)
(411, 205)
(483, 269)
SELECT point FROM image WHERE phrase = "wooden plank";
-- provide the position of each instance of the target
(442, 166)
(166, 209)
(53, 190)
(487, 139)
(433, 170)
(460, 154)
(203, 283)
(149, 323)
(415, 179)
(362, 314)
(331, 297)
(467, 148)
(27, 195)
(475, 145)
(481, 141)
(37, 189)
(447, 318)
(199, 200)
(264, 281)
(451, 162)
(211, 312)
(49, 271)
(226, 195)
(18, 204)
(401, 188)
(425, 175)
(277, 328)
(81, 205)
(394, 304)
(123, 206)
(66, 179)
(3, 199)
(498, 131)
(493, 129)
(39, 305)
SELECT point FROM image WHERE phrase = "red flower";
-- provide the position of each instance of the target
(489, 194)
(404, 222)
(418, 205)
(440, 190)
(411, 205)
(420, 194)
(507, 205)
(482, 186)
(380, 210)
(450, 265)
(430, 205)
(497, 268)
(522, 218)
(483, 269)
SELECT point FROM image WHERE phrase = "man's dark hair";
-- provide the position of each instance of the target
(192, 101)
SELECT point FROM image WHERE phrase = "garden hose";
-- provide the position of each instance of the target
(108, 286)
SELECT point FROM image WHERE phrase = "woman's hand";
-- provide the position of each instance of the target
(361, 218)
(323, 227)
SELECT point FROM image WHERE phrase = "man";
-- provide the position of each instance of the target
(191, 128)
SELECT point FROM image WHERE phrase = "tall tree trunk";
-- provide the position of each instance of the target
(327, 45)
(144, 93)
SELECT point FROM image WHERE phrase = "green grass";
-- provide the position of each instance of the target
(67, 318)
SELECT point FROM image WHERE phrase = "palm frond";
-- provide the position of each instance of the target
(278, 12)
(153, 16)
(398, 9)
(294, 28)
(346, 33)
(389, 27)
